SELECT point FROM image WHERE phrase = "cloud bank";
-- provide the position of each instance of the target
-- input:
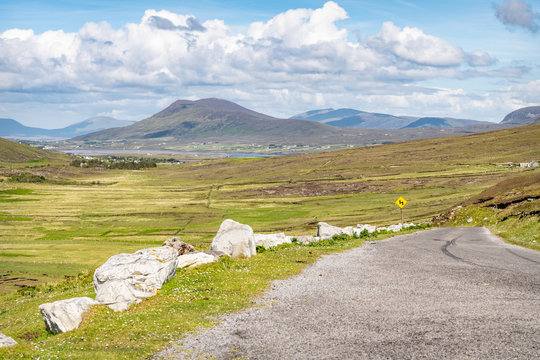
(297, 60)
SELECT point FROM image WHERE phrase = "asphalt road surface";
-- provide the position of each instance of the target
(450, 293)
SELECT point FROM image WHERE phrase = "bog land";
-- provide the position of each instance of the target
(60, 221)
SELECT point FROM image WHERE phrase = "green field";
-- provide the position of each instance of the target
(76, 218)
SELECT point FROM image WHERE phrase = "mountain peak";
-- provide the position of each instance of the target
(524, 116)
(212, 104)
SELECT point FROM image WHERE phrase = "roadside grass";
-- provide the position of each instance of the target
(510, 209)
(193, 299)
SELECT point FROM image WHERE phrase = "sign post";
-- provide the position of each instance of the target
(401, 203)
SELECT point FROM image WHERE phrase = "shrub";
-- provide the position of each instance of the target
(27, 178)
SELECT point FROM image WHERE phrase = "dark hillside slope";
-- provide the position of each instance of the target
(15, 153)
(422, 157)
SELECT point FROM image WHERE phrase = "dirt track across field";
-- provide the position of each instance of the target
(450, 293)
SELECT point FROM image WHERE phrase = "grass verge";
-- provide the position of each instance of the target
(192, 299)
(510, 209)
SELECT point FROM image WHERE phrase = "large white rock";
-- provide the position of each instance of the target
(307, 239)
(6, 341)
(128, 278)
(65, 315)
(395, 228)
(194, 259)
(234, 239)
(349, 230)
(271, 240)
(370, 228)
(325, 231)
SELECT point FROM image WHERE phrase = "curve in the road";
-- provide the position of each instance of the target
(449, 293)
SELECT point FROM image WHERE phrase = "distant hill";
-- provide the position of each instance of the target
(355, 118)
(524, 116)
(15, 153)
(214, 120)
(361, 119)
(437, 122)
(12, 129)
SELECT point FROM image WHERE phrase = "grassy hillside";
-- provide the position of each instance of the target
(510, 209)
(53, 230)
(13, 153)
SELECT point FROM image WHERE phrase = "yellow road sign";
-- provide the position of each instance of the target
(401, 202)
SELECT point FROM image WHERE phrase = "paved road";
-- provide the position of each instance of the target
(455, 293)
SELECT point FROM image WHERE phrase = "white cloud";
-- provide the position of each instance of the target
(518, 13)
(298, 58)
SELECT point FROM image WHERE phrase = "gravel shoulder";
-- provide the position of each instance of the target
(451, 293)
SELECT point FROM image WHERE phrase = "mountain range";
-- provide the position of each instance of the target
(220, 121)
(360, 119)
(10, 128)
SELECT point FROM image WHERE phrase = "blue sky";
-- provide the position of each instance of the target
(64, 61)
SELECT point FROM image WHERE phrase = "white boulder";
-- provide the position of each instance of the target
(128, 278)
(307, 239)
(194, 259)
(65, 315)
(234, 239)
(325, 231)
(408, 225)
(6, 341)
(394, 228)
(271, 240)
(370, 228)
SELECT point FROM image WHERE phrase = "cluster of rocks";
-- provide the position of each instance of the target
(125, 279)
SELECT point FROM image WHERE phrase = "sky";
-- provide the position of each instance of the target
(64, 61)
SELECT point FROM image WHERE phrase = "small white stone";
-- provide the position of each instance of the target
(6, 341)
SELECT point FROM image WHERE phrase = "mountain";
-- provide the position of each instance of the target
(361, 119)
(355, 118)
(214, 120)
(12, 129)
(437, 122)
(524, 116)
(90, 125)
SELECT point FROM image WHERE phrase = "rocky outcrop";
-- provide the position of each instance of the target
(128, 278)
(234, 239)
(6, 341)
(271, 240)
(180, 246)
(65, 315)
(325, 231)
(194, 259)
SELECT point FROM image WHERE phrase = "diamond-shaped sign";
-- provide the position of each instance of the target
(401, 202)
